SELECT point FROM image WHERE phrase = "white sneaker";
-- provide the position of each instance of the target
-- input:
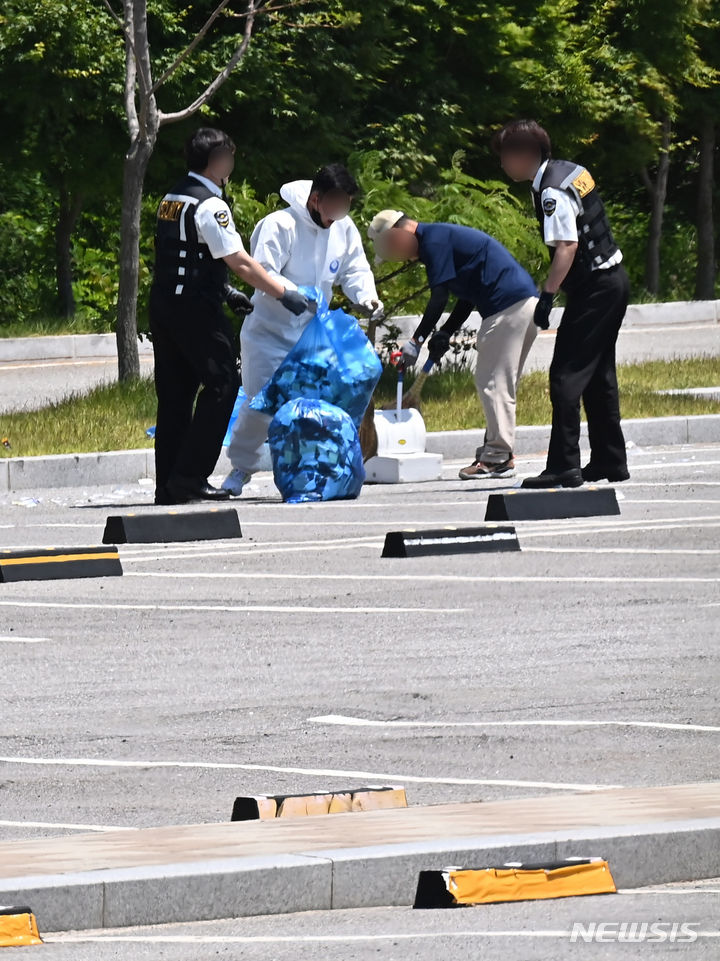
(235, 481)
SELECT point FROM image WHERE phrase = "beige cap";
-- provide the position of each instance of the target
(381, 223)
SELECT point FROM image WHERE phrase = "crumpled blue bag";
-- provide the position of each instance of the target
(333, 361)
(315, 452)
(239, 401)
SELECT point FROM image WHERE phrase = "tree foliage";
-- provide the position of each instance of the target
(407, 93)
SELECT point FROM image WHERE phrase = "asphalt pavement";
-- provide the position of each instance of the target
(684, 915)
(30, 384)
(297, 659)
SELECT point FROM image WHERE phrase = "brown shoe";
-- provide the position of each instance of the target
(480, 470)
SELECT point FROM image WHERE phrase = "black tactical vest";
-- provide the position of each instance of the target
(183, 263)
(596, 244)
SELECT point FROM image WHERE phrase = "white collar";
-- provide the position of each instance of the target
(207, 183)
(539, 176)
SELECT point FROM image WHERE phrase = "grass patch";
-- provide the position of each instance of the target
(115, 417)
(54, 327)
(450, 401)
(109, 417)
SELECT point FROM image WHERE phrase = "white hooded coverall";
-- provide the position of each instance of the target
(295, 251)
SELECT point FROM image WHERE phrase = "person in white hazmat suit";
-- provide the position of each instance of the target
(314, 242)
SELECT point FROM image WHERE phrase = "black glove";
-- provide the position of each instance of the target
(238, 302)
(439, 345)
(541, 317)
(296, 302)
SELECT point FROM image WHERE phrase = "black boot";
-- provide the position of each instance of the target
(548, 478)
(592, 472)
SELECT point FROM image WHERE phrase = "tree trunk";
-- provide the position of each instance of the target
(658, 195)
(68, 213)
(144, 121)
(134, 170)
(705, 274)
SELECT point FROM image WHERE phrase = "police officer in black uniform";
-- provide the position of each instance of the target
(195, 242)
(586, 265)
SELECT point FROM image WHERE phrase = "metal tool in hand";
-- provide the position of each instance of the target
(396, 361)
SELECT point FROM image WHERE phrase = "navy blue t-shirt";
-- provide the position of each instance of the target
(474, 266)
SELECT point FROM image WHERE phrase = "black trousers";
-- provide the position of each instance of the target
(194, 351)
(583, 367)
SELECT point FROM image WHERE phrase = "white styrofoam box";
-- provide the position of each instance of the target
(403, 468)
(400, 431)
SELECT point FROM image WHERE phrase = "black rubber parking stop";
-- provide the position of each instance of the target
(560, 504)
(168, 526)
(56, 563)
(450, 540)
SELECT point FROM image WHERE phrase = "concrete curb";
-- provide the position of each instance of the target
(383, 875)
(127, 466)
(638, 315)
(648, 432)
(104, 345)
(65, 346)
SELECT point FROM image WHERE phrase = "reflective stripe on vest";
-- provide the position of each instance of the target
(183, 263)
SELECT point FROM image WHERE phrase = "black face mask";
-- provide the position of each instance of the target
(316, 218)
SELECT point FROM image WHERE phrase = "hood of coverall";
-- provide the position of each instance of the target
(296, 194)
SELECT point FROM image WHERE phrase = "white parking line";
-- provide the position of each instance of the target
(427, 578)
(672, 891)
(432, 578)
(660, 484)
(58, 524)
(621, 550)
(641, 528)
(311, 772)
(687, 464)
(412, 518)
(338, 544)
(315, 938)
(583, 524)
(670, 500)
(109, 362)
(349, 721)
(63, 827)
(235, 609)
(12, 639)
(322, 543)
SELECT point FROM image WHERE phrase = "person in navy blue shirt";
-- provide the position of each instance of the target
(484, 276)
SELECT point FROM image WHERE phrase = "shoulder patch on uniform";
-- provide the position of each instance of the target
(222, 217)
(584, 183)
(549, 204)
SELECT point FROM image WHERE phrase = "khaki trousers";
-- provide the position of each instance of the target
(503, 343)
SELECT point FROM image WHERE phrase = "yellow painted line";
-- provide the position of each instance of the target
(57, 559)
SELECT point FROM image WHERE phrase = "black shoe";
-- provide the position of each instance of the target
(566, 478)
(183, 490)
(593, 473)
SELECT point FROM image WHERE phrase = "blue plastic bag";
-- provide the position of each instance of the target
(315, 452)
(239, 401)
(333, 361)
